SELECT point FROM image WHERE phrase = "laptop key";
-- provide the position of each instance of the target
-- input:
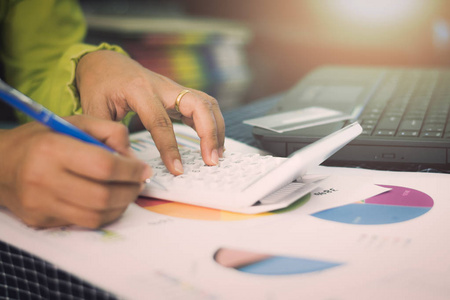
(366, 132)
(434, 127)
(388, 123)
(431, 134)
(385, 132)
(411, 125)
(407, 133)
(414, 115)
(435, 120)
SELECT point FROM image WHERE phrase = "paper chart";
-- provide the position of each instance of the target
(266, 264)
(397, 205)
(186, 211)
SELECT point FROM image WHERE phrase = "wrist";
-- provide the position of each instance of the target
(75, 55)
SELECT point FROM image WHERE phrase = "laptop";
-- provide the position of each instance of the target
(404, 113)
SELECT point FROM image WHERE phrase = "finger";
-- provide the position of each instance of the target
(202, 111)
(220, 122)
(48, 209)
(43, 222)
(95, 163)
(113, 134)
(71, 214)
(33, 211)
(36, 211)
(95, 195)
(155, 118)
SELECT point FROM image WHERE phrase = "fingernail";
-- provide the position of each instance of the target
(221, 151)
(214, 157)
(178, 166)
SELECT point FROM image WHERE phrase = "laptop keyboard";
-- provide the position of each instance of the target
(409, 104)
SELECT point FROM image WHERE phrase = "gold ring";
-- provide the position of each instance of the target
(180, 95)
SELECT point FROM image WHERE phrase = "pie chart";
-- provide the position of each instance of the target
(186, 211)
(267, 264)
(397, 205)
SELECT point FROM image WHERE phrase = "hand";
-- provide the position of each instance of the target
(49, 179)
(111, 84)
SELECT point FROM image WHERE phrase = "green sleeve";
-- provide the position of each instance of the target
(41, 44)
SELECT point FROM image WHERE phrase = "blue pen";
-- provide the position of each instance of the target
(36, 111)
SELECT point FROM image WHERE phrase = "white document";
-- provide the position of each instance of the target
(152, 254)
(298, 119)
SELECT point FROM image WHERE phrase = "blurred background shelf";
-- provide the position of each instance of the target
(282, 41)
(201, 53)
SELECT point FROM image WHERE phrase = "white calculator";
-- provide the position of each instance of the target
(244, 182)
